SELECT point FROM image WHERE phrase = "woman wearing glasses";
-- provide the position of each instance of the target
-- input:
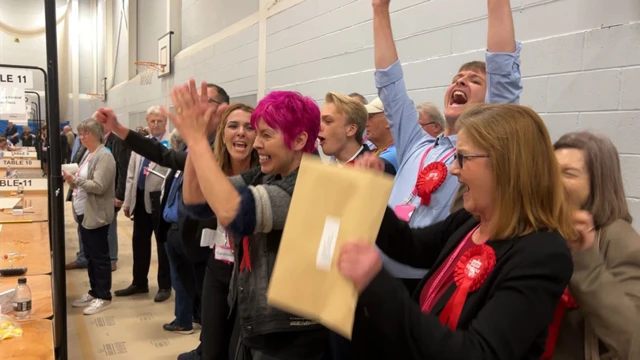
(499, 266)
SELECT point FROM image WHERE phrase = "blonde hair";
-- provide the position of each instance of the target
(530, 192)
(353, 110)
(220, 152)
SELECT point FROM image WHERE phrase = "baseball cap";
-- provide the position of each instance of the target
(375, 106)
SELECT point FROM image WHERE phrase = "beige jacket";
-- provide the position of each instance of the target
(100, 188)
(606, 285)
(152, 183)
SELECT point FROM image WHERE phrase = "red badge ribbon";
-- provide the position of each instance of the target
(567, 301)
(429, 180)
(246, 259)
(471, 271)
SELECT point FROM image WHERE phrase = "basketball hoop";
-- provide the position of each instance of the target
(147, 69)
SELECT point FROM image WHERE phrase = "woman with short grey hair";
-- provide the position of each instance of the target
(93, 187)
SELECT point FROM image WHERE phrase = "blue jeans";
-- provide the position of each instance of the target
(184, 292)
(113, 244)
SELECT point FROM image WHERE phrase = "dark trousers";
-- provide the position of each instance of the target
(217, 325)
(144, 225)
(182, 280)
(96, 249)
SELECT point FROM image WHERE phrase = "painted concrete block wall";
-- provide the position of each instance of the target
(580, 60)
(203, 18)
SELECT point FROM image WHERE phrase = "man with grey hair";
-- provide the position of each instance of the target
(430, 118)
(142, 204)
(359, 97)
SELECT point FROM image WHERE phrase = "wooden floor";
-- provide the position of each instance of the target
(132, 328)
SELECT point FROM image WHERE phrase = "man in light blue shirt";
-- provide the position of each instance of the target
(497, 81)
(379, 133)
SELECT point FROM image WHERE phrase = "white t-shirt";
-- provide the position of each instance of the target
(79, 194)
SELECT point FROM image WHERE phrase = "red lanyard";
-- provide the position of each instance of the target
(86, 160)
(422, 160)
(435, 287)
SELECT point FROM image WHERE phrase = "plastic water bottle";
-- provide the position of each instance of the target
(22, 300)
(8, 175)
(20, 190)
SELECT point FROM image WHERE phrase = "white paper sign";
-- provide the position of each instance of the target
(39, 184)
(16, 78)
(20, 154)
(12, 104)
(20, 163)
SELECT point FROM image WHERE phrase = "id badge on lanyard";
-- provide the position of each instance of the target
(223, 252)
(405, 210)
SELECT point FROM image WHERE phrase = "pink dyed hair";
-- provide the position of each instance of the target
(291, 114)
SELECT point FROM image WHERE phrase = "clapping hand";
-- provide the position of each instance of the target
(370, 161)
(583, 223)
(193, 112)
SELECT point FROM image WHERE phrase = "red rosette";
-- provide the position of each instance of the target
(429, 180)
(470, 273)
(567, 301)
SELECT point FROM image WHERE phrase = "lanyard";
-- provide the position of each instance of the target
(381, 150)
(86, 160)
(435, 287)
(422, 160)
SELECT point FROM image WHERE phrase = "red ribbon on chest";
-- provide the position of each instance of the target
(567, 301)
(429, 180)
(470, 273)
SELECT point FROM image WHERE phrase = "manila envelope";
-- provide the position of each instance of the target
(330, 206)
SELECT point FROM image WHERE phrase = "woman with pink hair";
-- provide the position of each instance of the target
(252, 208)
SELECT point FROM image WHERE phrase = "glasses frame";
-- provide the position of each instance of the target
(460, 157)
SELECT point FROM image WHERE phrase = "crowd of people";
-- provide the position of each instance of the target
(496, 242)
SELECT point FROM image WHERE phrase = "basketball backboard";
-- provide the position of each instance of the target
(165, 54)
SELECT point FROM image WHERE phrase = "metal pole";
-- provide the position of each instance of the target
(56, 191)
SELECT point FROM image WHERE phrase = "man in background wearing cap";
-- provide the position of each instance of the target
(379, 133)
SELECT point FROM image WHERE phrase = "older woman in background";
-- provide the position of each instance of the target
(605, 320)
(499, 266)
(94, 190)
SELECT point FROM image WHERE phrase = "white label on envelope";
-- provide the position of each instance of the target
(328, 243)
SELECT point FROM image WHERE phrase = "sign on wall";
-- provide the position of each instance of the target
(13, 103)
(16, 78)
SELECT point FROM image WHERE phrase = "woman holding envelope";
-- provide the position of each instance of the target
(499, 266)
(253, 207)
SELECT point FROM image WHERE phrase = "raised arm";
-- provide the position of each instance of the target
(608, 289)
(191, 192)
(152, 150)
(504, 81)
(399, 109)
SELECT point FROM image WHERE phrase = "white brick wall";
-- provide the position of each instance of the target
(580, 61)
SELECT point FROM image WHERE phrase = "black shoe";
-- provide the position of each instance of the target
(191, 355)
(162, 295)
(132, 290)
(177, 329)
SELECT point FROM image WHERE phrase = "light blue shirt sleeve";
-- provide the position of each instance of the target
(504, 81)
(399, 109)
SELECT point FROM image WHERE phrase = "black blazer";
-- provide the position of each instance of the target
(190, 229)
(122, 155)
(506, 319)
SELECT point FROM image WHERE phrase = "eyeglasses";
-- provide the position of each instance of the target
(212, 100)
(461, 157)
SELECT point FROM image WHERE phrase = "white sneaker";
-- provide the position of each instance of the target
(97, 306)
(84, 301)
